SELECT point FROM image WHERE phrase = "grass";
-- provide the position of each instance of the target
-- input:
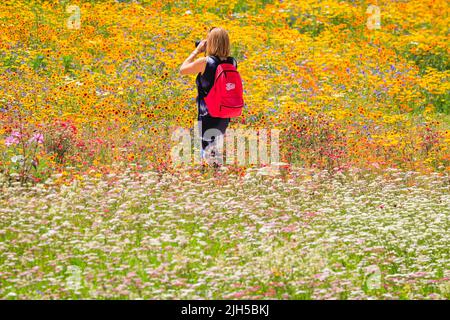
(310, 235)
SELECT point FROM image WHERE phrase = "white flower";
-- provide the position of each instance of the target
(17, 158)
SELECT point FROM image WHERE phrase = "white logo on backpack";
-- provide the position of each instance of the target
(230, 86)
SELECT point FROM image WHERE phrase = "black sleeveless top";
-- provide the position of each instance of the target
(205, 82)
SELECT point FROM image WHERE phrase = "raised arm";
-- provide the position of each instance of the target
(190, 66)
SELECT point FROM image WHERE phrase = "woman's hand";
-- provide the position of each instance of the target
(201, 46)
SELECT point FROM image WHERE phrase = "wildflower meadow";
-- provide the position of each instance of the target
(344, 195)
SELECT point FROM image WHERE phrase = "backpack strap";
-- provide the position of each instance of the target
(218, 61)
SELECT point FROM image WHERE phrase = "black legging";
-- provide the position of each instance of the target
(207, 122)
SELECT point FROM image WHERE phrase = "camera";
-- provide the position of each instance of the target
(197, 42)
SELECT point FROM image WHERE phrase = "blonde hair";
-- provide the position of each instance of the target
(218, 43)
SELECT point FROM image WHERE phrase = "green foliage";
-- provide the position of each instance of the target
(307, 23)
(38, 62)
(441, 102)
(68, 63)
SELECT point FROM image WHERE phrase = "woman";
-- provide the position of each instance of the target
(217, 47)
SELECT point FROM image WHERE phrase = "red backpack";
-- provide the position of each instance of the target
(225, 99)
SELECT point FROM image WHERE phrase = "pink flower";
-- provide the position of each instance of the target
(236, 295)
(38, 138)
(12, 139)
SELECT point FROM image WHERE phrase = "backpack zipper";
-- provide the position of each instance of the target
(220, 107)
(224, 71)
